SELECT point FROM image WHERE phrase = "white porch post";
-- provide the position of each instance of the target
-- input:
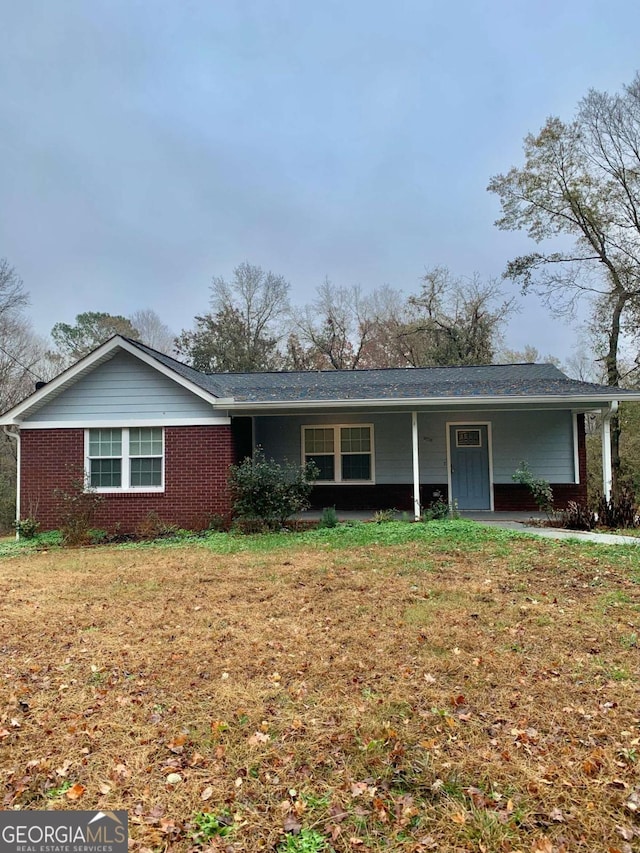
(416, 466)
(607, 475)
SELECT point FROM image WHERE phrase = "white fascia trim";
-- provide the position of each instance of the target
(126, 422)
(412, 402)
(68, 375)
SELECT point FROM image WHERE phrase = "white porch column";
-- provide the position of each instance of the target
(607, 475)
(416, 466)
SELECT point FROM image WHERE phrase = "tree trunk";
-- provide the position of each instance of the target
(613, 379)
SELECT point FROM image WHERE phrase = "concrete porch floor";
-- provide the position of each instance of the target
(485, 516)
(518, 521)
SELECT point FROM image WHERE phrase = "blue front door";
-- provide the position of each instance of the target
(469, 460)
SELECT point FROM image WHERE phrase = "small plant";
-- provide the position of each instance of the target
(26, 528)
(218, 523)
(78, 506)
(619, 511)
(307, 841)
(153, 527)
(210, 826)
(384, 516)
(540, 489)
(577, 517)
(329, 518)
(54, 793)
(270, 492)
(437, 510)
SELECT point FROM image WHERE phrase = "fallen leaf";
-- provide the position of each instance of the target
(258, 738)
(177, 745)
(75, 791)
(206, 794)
(541, 845)
(291, 825)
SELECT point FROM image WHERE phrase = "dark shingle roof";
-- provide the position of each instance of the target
(495, 380)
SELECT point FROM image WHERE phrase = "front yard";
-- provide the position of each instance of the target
(387, 687)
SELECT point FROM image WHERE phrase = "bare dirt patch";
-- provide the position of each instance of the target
(408, 698)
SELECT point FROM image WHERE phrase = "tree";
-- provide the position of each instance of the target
(22, 363)
(336, 329)
(89, 331)
(244, 328)
(579, 187)
(453, 321)
(152, 331)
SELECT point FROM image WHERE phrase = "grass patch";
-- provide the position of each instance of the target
(369, 687)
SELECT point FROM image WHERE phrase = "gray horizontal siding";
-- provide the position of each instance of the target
(123, 387)
(543, 438)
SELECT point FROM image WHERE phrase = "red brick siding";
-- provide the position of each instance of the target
(197, 460)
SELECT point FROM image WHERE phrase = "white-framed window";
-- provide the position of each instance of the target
(125, 459)
(468, 438)
(343, 453)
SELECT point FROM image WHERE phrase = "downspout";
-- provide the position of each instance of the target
(16, 437)
(607, 474)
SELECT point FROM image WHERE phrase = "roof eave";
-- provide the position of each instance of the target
(567, 400)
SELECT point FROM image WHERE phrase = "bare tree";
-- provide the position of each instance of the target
(153, 331)
(336, 325)
(245, 327)
(454, 321)
(580, 182)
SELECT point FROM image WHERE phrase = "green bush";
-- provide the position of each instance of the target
(269, 492)
(436, 511)
(27, 527)
(540, 489)
(329, 518)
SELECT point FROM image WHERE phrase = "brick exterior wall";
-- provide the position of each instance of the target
(197, 460)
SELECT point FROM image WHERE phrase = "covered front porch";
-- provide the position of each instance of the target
(405, 460)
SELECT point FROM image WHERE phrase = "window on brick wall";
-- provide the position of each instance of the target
(125, 458)
(343, 453)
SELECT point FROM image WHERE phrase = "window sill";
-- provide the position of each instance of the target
(344, 482)
(137, 490)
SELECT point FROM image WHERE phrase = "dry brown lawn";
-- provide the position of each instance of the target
(417, 697)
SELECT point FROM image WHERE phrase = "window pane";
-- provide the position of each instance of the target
(468, 438)
(318, 440)
(105, 473)
(146, 472)
(325, 465)
(105, 442)
(355, 439)
(145, 441)
(356, 466)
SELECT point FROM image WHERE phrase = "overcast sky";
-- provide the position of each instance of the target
(148, 145)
